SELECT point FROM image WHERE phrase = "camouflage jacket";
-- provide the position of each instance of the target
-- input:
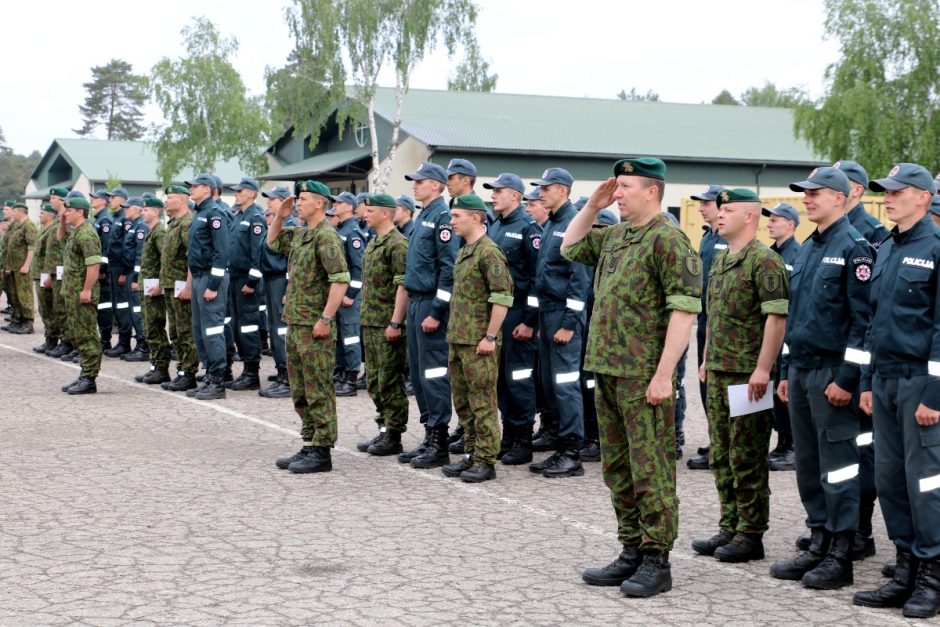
(743, 289)
(42, 241)
(642, 274)
(151, 255)
(21, 239)
(383, 270)
(315, 260)
(54, 249)
(481, 279)
(82, 249)
(174, 261)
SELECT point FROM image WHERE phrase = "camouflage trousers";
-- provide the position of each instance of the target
(738, 457)
(473, 384)
(44, 298)
(179, 313)
(310, 363)
(83, 331)
(59, 314)
(638, 460)
(153, 312)
(385, 377)
(20, 295)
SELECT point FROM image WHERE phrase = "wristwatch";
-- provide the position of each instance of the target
(490, 337)
(395, 325)
(326, 320)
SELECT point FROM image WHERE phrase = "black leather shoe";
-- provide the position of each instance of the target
(699, 462)
(284, 462)
(925, 601)
(139, 378)
(896, 592)
(435, 455)
(453, 470)
(59, 351)
(567, 465)
(181, 383)
(278, 389)
(347, 385)
(617, 571)
(456, 435)
(545, 439)
(405, 458)
(862, 546)
(84, 385)
(548, 462)
(363, 445)
(591, 451)
(273, 377)
(76, 358)
(703, 450)
(653, 576)
(506, 441)
(160, 374)
(520, 453)
(793, 570)
(318, 460)
(744, 547)
(48, 345)
(247, 381)
(69, 356)
(835, 571)
(479, 473)
(65, 388)
(784, 463)
(707, 547)
(388, 443)
(361, 383)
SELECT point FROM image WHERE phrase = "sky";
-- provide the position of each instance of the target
(686, 51)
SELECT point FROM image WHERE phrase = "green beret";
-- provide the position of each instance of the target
(176, 189)
(47, 207)
(19, 205)
(9, 203)
(737, 194)
(470, 202)
(314, 187)
(381, 200)
(78, 203)
(61, 192)
(153, 201)
(650, 167)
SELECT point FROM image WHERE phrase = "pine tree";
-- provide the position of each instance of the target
(115, 98)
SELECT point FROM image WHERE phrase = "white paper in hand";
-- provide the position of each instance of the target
(59, 272)
(739, 405)
(178, 288)
(149, 284)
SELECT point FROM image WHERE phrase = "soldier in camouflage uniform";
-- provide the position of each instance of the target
(17, 259)
(152, 301)
(384, 304)
(53, 267)
(747, 307)
(82, 257)
(47, 229)
(647, 290)
(177, 287)
(483, 294)
(318, 280)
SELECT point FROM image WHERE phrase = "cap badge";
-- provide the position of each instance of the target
(894, 170)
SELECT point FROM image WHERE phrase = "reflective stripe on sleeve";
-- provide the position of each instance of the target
(136, 308)
(282, 330)
(355, 285)
(104, 259)
(123, 305)
(215, 330)
(856, 356)
(443, 295)
(255, 273)
(532, 301)
(262, 307)
(933, 368)
(574, 305)
(590, 383)
(218, 271)
(435, 373)
(249, 328)
(136, 268)
(518, 375)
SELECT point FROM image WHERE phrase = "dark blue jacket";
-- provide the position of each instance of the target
(869, 226)
(208, 243)
(271, 262)
(354, 243)
(829, 306)
(431, 251)
(407, 228)
(116, 245)
(559, 283)
(520, 238)
(134, 234)
(904, 336)
(788, 251)
(104, 223)
(247, 234)
(711, 245)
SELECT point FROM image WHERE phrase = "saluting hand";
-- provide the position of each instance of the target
(925, 416)
(603, 196)
(286, 208)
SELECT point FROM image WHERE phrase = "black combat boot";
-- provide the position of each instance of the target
(458, 446)
(62, 349)
(478, 473)
(888, 570)
(617, 571)
(284, 462)
(70, 356)
(802, 543)
(159, 374)
(279, 389)
(346, 386)
(653, 576)
(212, 390)
(363, 445)
(863, 544)
(546, 438)
(361, 382)
(84, 385)
(141, 352)
(404, 458)
(507, 439)
(139, 378)
(568, 463)
(539, 467)
(806, 561)
(46, 346)
(464, 463)
(121, 348)
(65, 388)
(744, 547)
(521, 451)
(896, 592)
(699, 462)
(318, 460)
(925, 601)
(456, 435)
(784, 445)
(707, 547)
(182, 383)
(389, 443)
(436, 454)
(248, 380)
(591, 451)
(835, 571)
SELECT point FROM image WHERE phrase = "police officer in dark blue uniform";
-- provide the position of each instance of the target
(902, 391)
(274, 271)
(519, 237)
(208, 258)
(935, 204)
(712, 243)
(561, 287)
(781, 227)
(404, 212)
(135, 231)
(247, 234)
(348, 340)
(103, 224)
(865, 223)
(120, 293)
(828, 318)
(429, 279)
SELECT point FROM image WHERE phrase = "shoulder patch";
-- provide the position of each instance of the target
(332, 252)
(257, 229)
(127, 226)
(445, 234)
(216, 223)
(693, 263)
(863, 272)
(771, 283)
(536, 240)
(356, 242)
(140, 235)
(105, 228)
(497, 270)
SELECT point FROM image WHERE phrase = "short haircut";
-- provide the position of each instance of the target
(659, 183)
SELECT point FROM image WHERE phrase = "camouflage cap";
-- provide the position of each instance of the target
(736, 194)
(176, 189)
(469, 202)
(381, 200)
(314, 187)
(650, 167)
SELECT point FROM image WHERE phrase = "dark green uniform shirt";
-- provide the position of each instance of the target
(20, 240)
(150, 256)
(641, 274)
(54, 249)
(83, 249)
(383, 270)
(174, 262)
(481, 279)
(315, 259)
(743, 289)
(39, 259)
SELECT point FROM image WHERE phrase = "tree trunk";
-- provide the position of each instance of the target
(374, 143)
(396, 127)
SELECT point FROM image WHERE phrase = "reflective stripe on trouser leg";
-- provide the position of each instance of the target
(560, 365)
(211, 321)
(246, 320)
(515, 388)
(429, 356)
(348, 347)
